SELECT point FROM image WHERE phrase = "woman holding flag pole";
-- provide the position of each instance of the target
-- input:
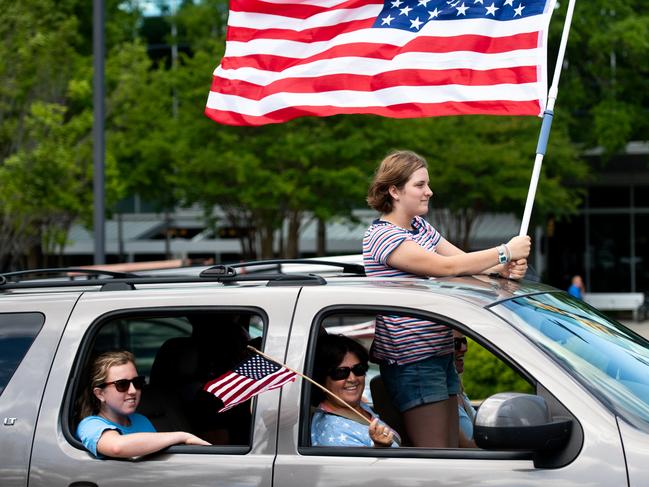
(416, 356)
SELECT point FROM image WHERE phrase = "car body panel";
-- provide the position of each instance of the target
(276, 457)
(22, 396)
(601, 456)
(57, 462)
(636, 451)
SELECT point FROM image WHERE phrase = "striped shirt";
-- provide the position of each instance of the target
(402, 339)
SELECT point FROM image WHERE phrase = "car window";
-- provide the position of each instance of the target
(606, 357)
(17, 333)
(179, 352)
(484, 374)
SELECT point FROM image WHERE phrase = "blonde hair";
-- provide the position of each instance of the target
(88, 402)
(394, 170)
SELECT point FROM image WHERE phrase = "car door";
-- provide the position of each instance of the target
(58, 461)
(30, 330)
(599, 462)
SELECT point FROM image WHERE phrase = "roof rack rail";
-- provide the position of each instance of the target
(347, 268)
(48, 272)
(226, 276)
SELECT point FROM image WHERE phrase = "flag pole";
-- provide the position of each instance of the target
(324, 389)
(548, 115)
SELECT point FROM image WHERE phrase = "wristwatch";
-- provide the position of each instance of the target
(502, 255)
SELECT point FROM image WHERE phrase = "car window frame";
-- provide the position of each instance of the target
(84, 351)
(401, 452)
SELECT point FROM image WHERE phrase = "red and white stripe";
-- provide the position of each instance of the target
(288, 59)
(234, 389)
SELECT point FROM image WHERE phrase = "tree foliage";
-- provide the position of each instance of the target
(268, 179)
(485, 375)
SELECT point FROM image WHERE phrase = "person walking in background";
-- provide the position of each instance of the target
(577, 288)
(415, 355)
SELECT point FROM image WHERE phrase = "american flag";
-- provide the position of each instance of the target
(398, 58)
(253, 376)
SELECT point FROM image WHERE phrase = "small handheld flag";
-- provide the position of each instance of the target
(254, 375)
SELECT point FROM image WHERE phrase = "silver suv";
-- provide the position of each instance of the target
(584, 419)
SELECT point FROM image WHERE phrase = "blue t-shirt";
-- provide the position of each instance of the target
(91, 428)
(575, 291)
(329, 429)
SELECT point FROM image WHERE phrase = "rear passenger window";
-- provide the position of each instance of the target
(17, 333)
(178, 353)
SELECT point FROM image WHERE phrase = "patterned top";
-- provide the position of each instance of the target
(401, 339)
(329, 429)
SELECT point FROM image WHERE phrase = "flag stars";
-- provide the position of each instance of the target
(509, 2)
(423, 3)
(491, 9)
(433, 14)
(396, 3)
(387, 20)
(519, 10)
(461, 10)
(481, 2)
(415, 24)
(405, 11)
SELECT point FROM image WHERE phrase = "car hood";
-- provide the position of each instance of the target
(636, 452)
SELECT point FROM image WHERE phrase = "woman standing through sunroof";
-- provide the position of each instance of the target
(416, 356)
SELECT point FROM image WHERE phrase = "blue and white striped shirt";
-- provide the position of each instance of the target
(402, 339)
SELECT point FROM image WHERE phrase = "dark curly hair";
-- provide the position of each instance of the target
(330, 352)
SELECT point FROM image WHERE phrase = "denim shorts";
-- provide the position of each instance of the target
(426, 381)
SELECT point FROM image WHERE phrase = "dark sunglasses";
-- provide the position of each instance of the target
(459, 342)
(341, 373)
(123, 385)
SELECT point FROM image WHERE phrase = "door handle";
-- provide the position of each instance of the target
(83, 484)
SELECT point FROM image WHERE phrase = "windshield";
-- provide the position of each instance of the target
(605, 356)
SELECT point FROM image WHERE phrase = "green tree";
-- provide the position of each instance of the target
(603, 91)
(485, 375)
(46, 122)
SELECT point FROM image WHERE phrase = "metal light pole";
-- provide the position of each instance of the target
(98, 146)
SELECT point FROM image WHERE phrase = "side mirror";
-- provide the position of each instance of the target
(515, 421)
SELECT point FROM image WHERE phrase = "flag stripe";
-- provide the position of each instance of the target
(324, 19)
(374, 67)
(245, 34)
(409, 77)
(294, 10)
(287, 59)
(396, 95)
(266, 59)
(257, 388)
(404, 110)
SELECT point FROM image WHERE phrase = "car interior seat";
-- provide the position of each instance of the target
(222, 346)
(173, 383)
(386, 410)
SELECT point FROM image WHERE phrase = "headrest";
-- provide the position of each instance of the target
(177, 359)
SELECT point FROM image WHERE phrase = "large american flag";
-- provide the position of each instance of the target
(253, 376)
(398, 58)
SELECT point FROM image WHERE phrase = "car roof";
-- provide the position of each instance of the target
(481, 290)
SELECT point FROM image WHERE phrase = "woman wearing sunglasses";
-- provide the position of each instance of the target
(341, 365)
(110, 426)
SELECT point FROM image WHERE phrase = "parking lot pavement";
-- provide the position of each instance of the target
(640, 327)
